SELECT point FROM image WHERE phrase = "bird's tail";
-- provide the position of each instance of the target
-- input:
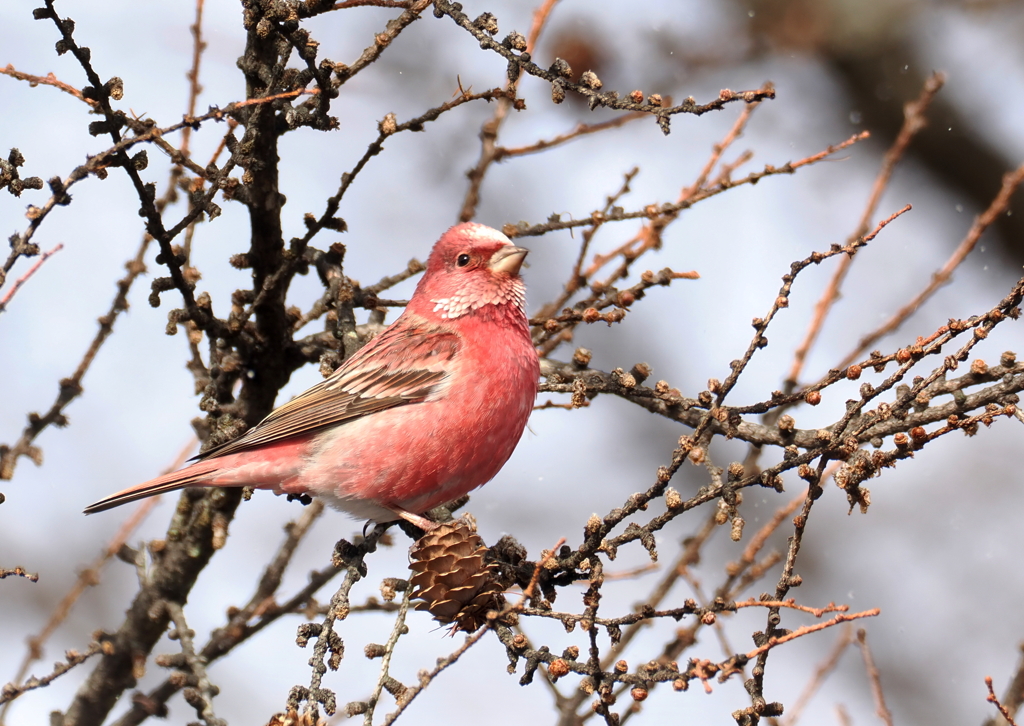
(196, 475)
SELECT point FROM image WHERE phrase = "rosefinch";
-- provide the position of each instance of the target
(428, 410)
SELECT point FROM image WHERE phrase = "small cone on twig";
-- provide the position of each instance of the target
(453, 580)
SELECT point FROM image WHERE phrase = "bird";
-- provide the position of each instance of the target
(430, 409)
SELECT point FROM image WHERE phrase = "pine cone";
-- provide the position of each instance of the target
(453, 580)
(291, 718)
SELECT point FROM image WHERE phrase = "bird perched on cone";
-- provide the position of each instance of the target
(428, 410)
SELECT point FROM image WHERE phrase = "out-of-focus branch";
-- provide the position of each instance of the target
(914, 121)
(875, 678)
(981, 223)
(490, 129)
(821, 673)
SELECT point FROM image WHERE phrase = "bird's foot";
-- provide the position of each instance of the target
(415, 519)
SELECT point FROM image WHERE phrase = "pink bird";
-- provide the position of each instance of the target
(428, 410)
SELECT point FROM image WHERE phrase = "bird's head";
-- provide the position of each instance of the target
(472, 270)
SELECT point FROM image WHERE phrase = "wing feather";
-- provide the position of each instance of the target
(403, 365)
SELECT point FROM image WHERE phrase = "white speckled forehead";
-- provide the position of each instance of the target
(483, 233)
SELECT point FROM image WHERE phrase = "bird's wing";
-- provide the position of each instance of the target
(402, 365)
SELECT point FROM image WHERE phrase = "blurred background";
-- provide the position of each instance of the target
(940, 549)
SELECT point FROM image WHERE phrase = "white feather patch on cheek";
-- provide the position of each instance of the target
(451, 307)
(511, 291)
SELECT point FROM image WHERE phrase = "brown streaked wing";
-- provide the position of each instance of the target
(361, 386)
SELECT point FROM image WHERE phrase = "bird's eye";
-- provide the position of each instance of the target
(462, 260)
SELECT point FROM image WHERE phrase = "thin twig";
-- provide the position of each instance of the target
(594, 96)
(501, 153)
(529, 592)
(1013, 696)
(389, 650)
(71, 387)
(200, 697)
(718, 149)
(427, 679)
(388, 128)
(24, 278)
(994, 699)
(758, 541)
(329, 648)
(874, 677)
(384, 38)
(792, 605)
(577, 279)
(782, 301)
(48, 80)
(72, 658)
(194, 89)
(776, 641)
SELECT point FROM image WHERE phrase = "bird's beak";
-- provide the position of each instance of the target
(508, 259)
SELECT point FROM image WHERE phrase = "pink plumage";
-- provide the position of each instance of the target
(428, 410)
